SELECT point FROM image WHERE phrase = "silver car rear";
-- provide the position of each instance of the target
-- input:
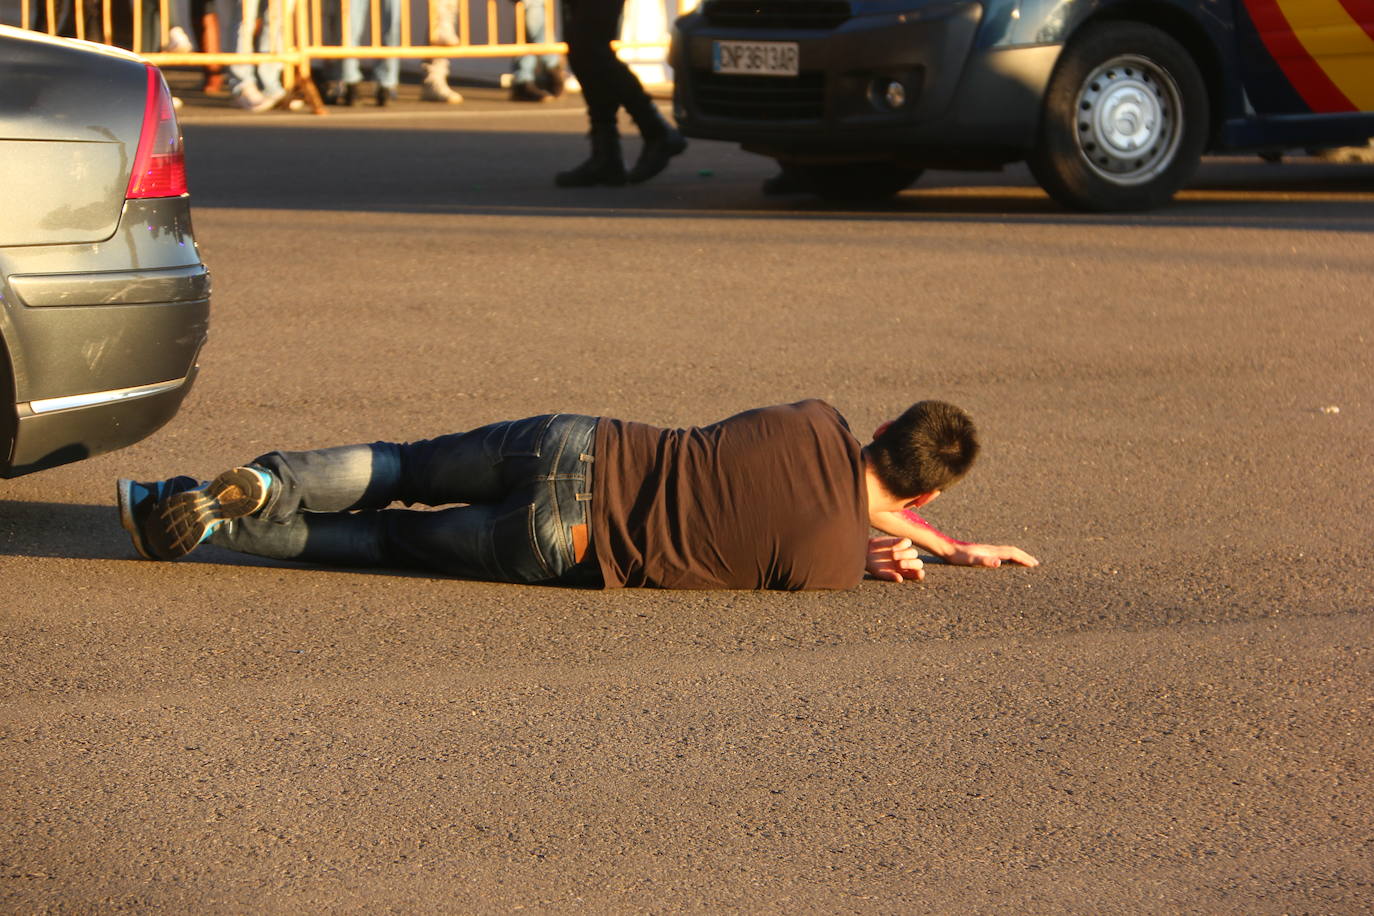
(105, 302)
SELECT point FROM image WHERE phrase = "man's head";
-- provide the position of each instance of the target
(927, 449)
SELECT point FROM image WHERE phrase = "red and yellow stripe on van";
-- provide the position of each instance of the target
(1324, 47)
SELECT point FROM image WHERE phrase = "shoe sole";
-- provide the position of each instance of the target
(124, 496)
(186, 517)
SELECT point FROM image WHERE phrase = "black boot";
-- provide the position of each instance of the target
(661, 142)
(605, 167)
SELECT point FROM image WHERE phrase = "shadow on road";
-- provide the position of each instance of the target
(392, 169)
(85, 532)
(38, 529)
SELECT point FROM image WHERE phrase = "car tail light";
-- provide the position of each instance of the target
(160, 163)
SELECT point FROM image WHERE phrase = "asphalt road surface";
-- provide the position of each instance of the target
(1174, 713)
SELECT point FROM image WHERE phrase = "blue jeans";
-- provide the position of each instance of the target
(526, 484)
(238, 18)
(387, 70)
(527, 66)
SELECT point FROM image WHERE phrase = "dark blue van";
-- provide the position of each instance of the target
(1111, 102)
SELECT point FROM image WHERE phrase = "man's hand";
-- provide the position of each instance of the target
(920, 535)
(894, 559)
(985, 555)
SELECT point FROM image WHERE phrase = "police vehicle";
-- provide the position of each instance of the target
(1111, 102)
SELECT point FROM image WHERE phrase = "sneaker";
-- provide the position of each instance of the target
(248, 97)
(136, 502)
(269, 101)
(439, 91)
(528, 92)
(183, 520)
(386, 95)
(178, 42)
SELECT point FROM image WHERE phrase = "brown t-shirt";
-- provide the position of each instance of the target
(769, 498)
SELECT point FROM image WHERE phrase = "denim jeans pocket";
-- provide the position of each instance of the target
(515, 547)
(525, 438)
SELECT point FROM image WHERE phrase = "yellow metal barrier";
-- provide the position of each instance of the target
(301, 28)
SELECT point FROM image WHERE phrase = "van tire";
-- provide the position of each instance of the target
(861, 181)
(1125, 120)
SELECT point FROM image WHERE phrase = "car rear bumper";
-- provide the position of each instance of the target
(101, 377)
(959, 101)
(102, 357)
(59, 431)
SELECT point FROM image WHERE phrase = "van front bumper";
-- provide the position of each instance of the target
(957, 101)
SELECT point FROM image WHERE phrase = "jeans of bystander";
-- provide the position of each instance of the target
(387, 70)
(536, 32)
(238, 19)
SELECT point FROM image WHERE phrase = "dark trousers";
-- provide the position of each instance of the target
(607, 84)
(524, 487)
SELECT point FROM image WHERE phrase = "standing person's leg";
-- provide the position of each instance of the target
(350, 70)
(271, 40)
(150, 38)
(591, 26)
(442, 16)
(238, 19)
(388, 69)
(524, 85)
(181, 34)
(555, 74)
(207, 19)
(554, 77)
(661, 141)
(435, 87)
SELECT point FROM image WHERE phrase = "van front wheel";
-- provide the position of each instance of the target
(1124, 122)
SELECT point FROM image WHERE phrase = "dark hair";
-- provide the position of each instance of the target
(930, 447)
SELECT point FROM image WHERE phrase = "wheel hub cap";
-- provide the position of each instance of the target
(1128, 120)
(1128, 117)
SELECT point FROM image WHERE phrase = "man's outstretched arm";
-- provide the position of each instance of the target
(908, 524)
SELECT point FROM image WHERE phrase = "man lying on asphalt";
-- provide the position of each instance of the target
(778, 497)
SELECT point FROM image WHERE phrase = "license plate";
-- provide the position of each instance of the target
(755, 58)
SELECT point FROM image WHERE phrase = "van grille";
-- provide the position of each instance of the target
(776, 14)
(764, 98)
